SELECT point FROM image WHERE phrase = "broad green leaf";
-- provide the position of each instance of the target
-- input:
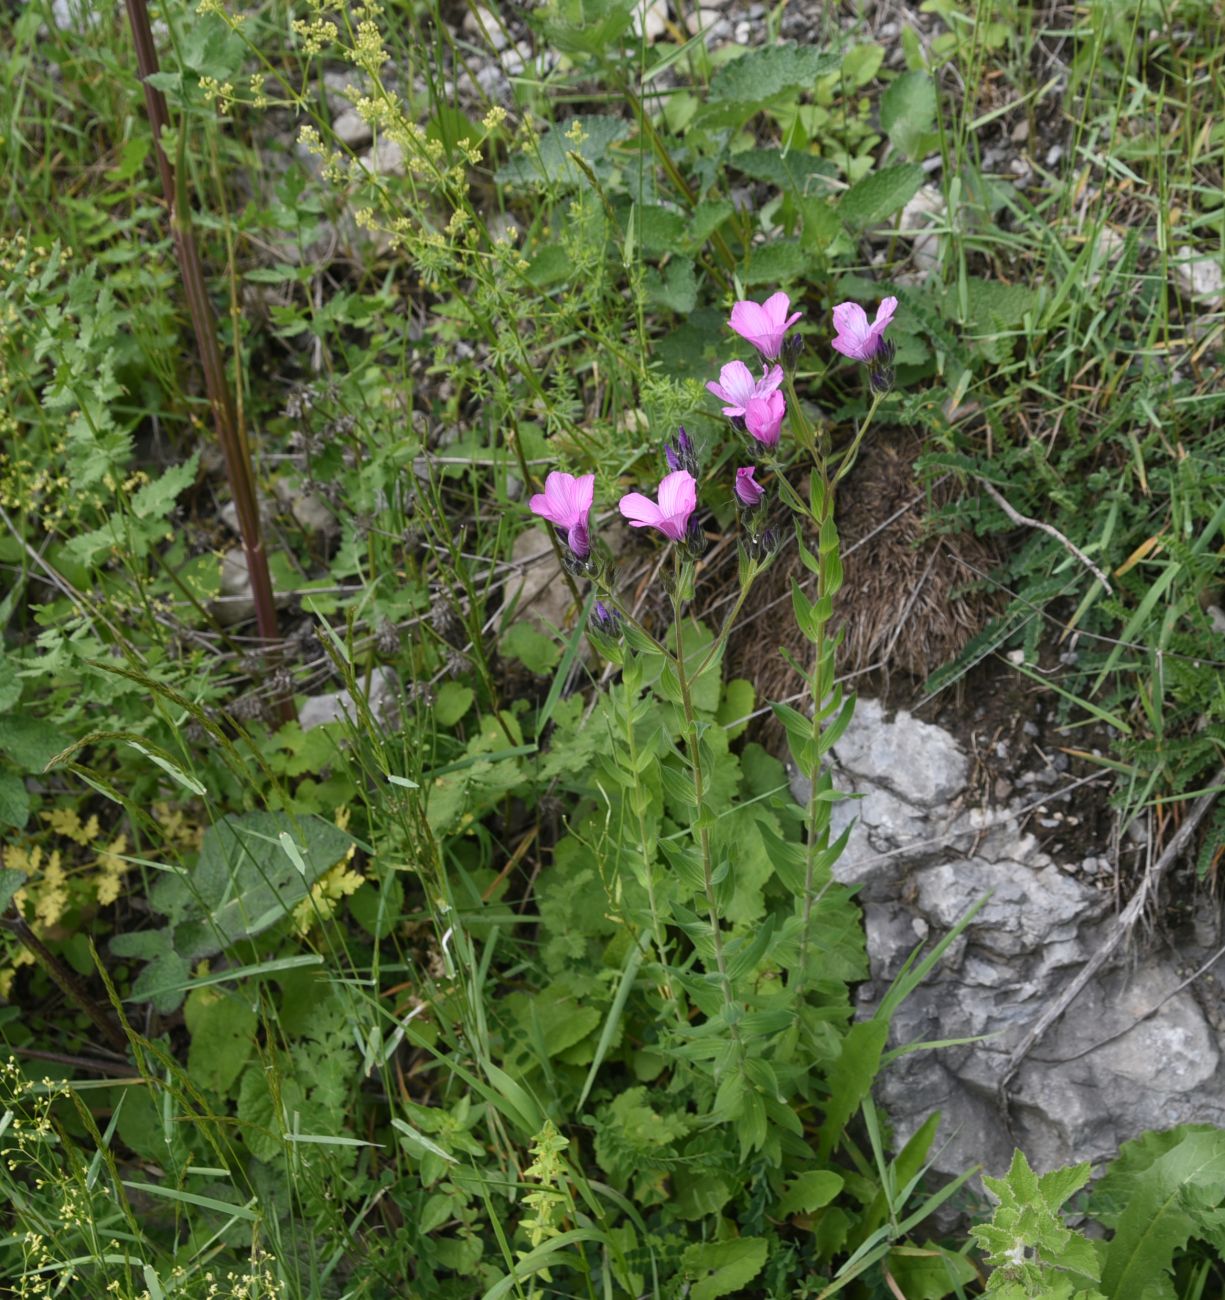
(880, 194)
(222, 1028)
(822, 224)
(14, 801)
(525, 642)
(377, 908)
(676, 288)
(908, 110)
(243, 883)
(658, 229)
(30, 742)
(930, 1272)
(810, 1191)
(861, 63)
(739, 697)
(264, 1115)
(776, 262)
(794, 172)
(720, 1268)
(1164, 1212)
(706, 218)
(451, 702)
(587, 26)
(767, 72)
(10, 882)
(850, 1078)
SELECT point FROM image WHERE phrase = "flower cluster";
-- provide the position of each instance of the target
(755, 405)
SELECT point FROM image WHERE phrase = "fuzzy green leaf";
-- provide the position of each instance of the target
(776, 262)
(30, 742)
(880, 194)
(14, 802)
(908, 110)
(767, 72)
(10, 882)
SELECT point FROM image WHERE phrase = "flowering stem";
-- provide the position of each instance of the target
(730, 621)
(845, 460)
(648, 858)
(821, 681)
(805, 436)
(700, 821)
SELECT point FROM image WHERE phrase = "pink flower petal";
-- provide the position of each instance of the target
(641, 511)
(678, 494)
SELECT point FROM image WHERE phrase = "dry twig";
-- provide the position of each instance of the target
(1026, 522)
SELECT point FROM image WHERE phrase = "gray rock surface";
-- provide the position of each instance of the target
(1134, 1051)
(383, 698)
(542, 594)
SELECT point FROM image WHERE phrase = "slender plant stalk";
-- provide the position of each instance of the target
(230, 434)
(648, 864)
(695, 760)
(820, 683)
(71, 987)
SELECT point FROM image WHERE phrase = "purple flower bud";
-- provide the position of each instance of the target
(695, 539)
(880, 368)
(682, 456)
(748, 491)
(605, 621)
(764, 544)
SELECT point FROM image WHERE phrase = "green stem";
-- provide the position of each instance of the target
(695, 762)
(845, 460)
(820, 683)
(730, 621)
(648, 863)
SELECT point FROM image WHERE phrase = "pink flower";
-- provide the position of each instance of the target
(566, 503)
(747, 489)
(855, 337)
(763, 418)
(678, 498)
(736, 385)
(764, 324)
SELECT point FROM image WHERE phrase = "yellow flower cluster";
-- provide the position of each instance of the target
(62, 1207)
(316, 33)
(222, 92)
(59, 876)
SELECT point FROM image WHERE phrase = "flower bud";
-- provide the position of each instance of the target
(763, 545)
(605, 621)
(880, 368)
(682, 456)
(695, 539)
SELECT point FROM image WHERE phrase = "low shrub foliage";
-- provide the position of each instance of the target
(514, 962)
